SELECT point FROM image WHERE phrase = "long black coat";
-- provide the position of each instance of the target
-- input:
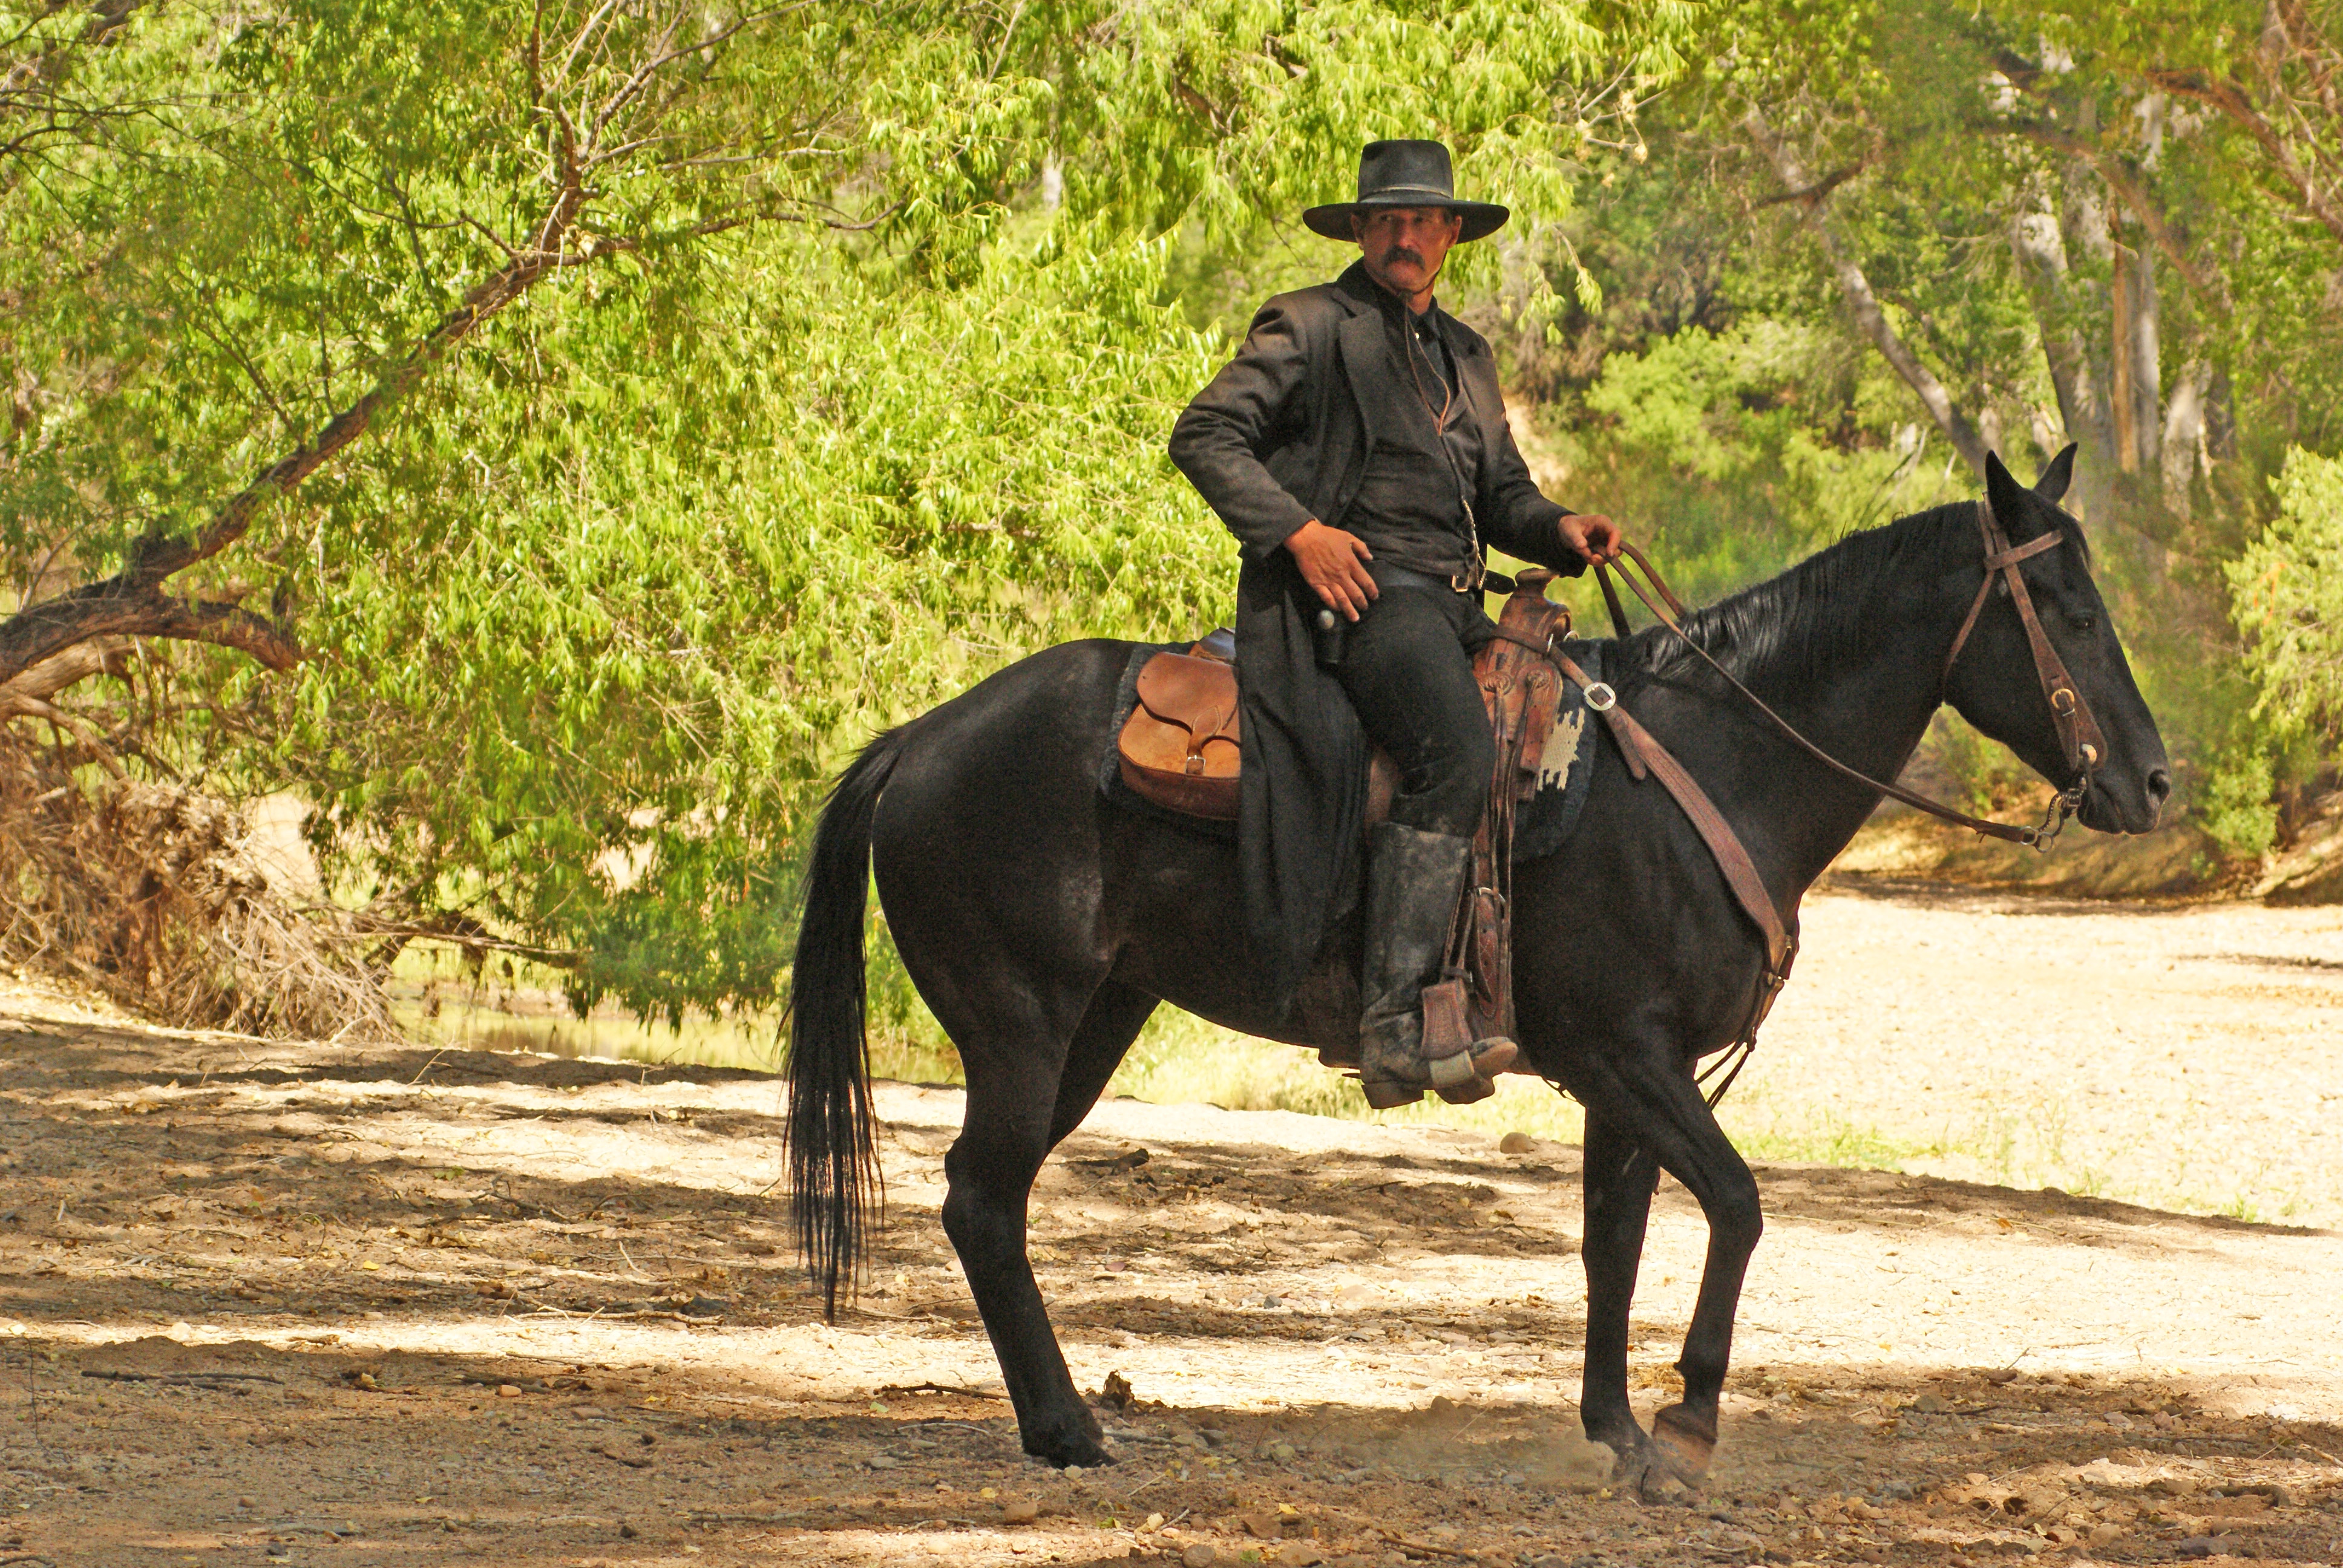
(1280, 438)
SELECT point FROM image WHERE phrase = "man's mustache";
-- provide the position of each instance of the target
(1403, 253)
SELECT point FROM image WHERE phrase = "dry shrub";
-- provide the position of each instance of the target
(153, 894)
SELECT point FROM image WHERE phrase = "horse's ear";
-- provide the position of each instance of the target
(2008, 498)
(2056, 473)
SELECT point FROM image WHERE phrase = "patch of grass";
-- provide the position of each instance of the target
(1823, 1137)
(698, 1041)
(439, 1001)
(1180, 1059)
(2241, 1207)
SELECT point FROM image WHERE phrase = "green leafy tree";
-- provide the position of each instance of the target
(2290, 599)
(648, 403)
(1875, 237)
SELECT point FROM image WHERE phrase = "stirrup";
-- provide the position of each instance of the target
(1460, 1077)
(1486, 1059)
(1462, 1068)
(1471, 1074)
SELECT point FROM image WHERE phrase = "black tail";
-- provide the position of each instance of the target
(834, 1186)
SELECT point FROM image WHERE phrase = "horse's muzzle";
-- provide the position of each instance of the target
(2114, 805)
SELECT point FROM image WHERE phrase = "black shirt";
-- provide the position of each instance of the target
(1413, 508)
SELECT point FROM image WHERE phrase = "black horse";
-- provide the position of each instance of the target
(1043, 924)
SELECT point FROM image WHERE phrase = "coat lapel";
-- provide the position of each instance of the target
(1365, 341)
(1367, 361)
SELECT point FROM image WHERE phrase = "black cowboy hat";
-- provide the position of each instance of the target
(1405, 173)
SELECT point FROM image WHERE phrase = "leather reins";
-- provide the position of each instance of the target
(2079, 736)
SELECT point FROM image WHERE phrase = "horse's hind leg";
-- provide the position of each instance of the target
(1023, 1068)
(1115, 1017)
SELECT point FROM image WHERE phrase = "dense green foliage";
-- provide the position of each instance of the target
(729, 545)
(837, 345)
(2061, 228)
(2289, 598)
(825, 410)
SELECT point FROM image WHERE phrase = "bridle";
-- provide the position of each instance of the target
(2079, 736)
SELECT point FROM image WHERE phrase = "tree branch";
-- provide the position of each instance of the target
(2232, 102)
(132, 601)
(118, 609)
(100, 656)
(2134, 195)
(1815, 192)
(463, 931)
(1809, 197)
(15, 706)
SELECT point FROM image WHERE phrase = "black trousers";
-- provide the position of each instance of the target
(1407, 664)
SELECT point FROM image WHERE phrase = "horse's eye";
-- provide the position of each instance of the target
(2085, 622)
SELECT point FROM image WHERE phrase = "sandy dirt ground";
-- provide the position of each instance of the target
(2187, 1057)
(267, 1304)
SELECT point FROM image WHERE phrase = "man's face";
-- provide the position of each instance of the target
(1404, 247)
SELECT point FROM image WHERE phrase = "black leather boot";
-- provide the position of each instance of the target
(1415, 881)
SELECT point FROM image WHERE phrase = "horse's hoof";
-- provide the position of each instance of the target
(1626, 1449)
(1645, 1471)
(1683, 1443)
(1654, 1467)
(1077, 1448)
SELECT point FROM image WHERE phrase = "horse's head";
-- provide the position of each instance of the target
(1995, 685)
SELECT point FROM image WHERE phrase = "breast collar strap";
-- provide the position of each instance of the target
(2079, 737)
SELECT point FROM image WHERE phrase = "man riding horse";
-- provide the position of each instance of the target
(1357, 448)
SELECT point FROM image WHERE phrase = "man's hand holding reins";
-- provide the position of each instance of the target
(1592, 535)
(1334, 564)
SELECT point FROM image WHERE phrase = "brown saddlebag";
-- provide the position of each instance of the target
(1179, 749)
(1180, 746)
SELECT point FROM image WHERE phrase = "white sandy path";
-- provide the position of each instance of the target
(2188, 1057)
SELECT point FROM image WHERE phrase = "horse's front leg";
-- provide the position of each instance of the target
(1721, 1179)
(1617, 1184)
(1670, 1120)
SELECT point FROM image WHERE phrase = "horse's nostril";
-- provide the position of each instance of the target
(2159, 786)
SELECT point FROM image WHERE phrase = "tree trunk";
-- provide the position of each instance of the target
(2039, 245)
(2138, 374)
(2121, 401)
(2184, 453)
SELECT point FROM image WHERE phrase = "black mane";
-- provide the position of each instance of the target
(1819, 612)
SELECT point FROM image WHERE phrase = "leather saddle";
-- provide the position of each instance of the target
(1182, 746)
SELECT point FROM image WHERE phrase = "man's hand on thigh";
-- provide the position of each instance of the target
(1334, 564)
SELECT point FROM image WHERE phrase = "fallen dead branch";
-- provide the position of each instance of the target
(153, 894)
(200, 1379)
